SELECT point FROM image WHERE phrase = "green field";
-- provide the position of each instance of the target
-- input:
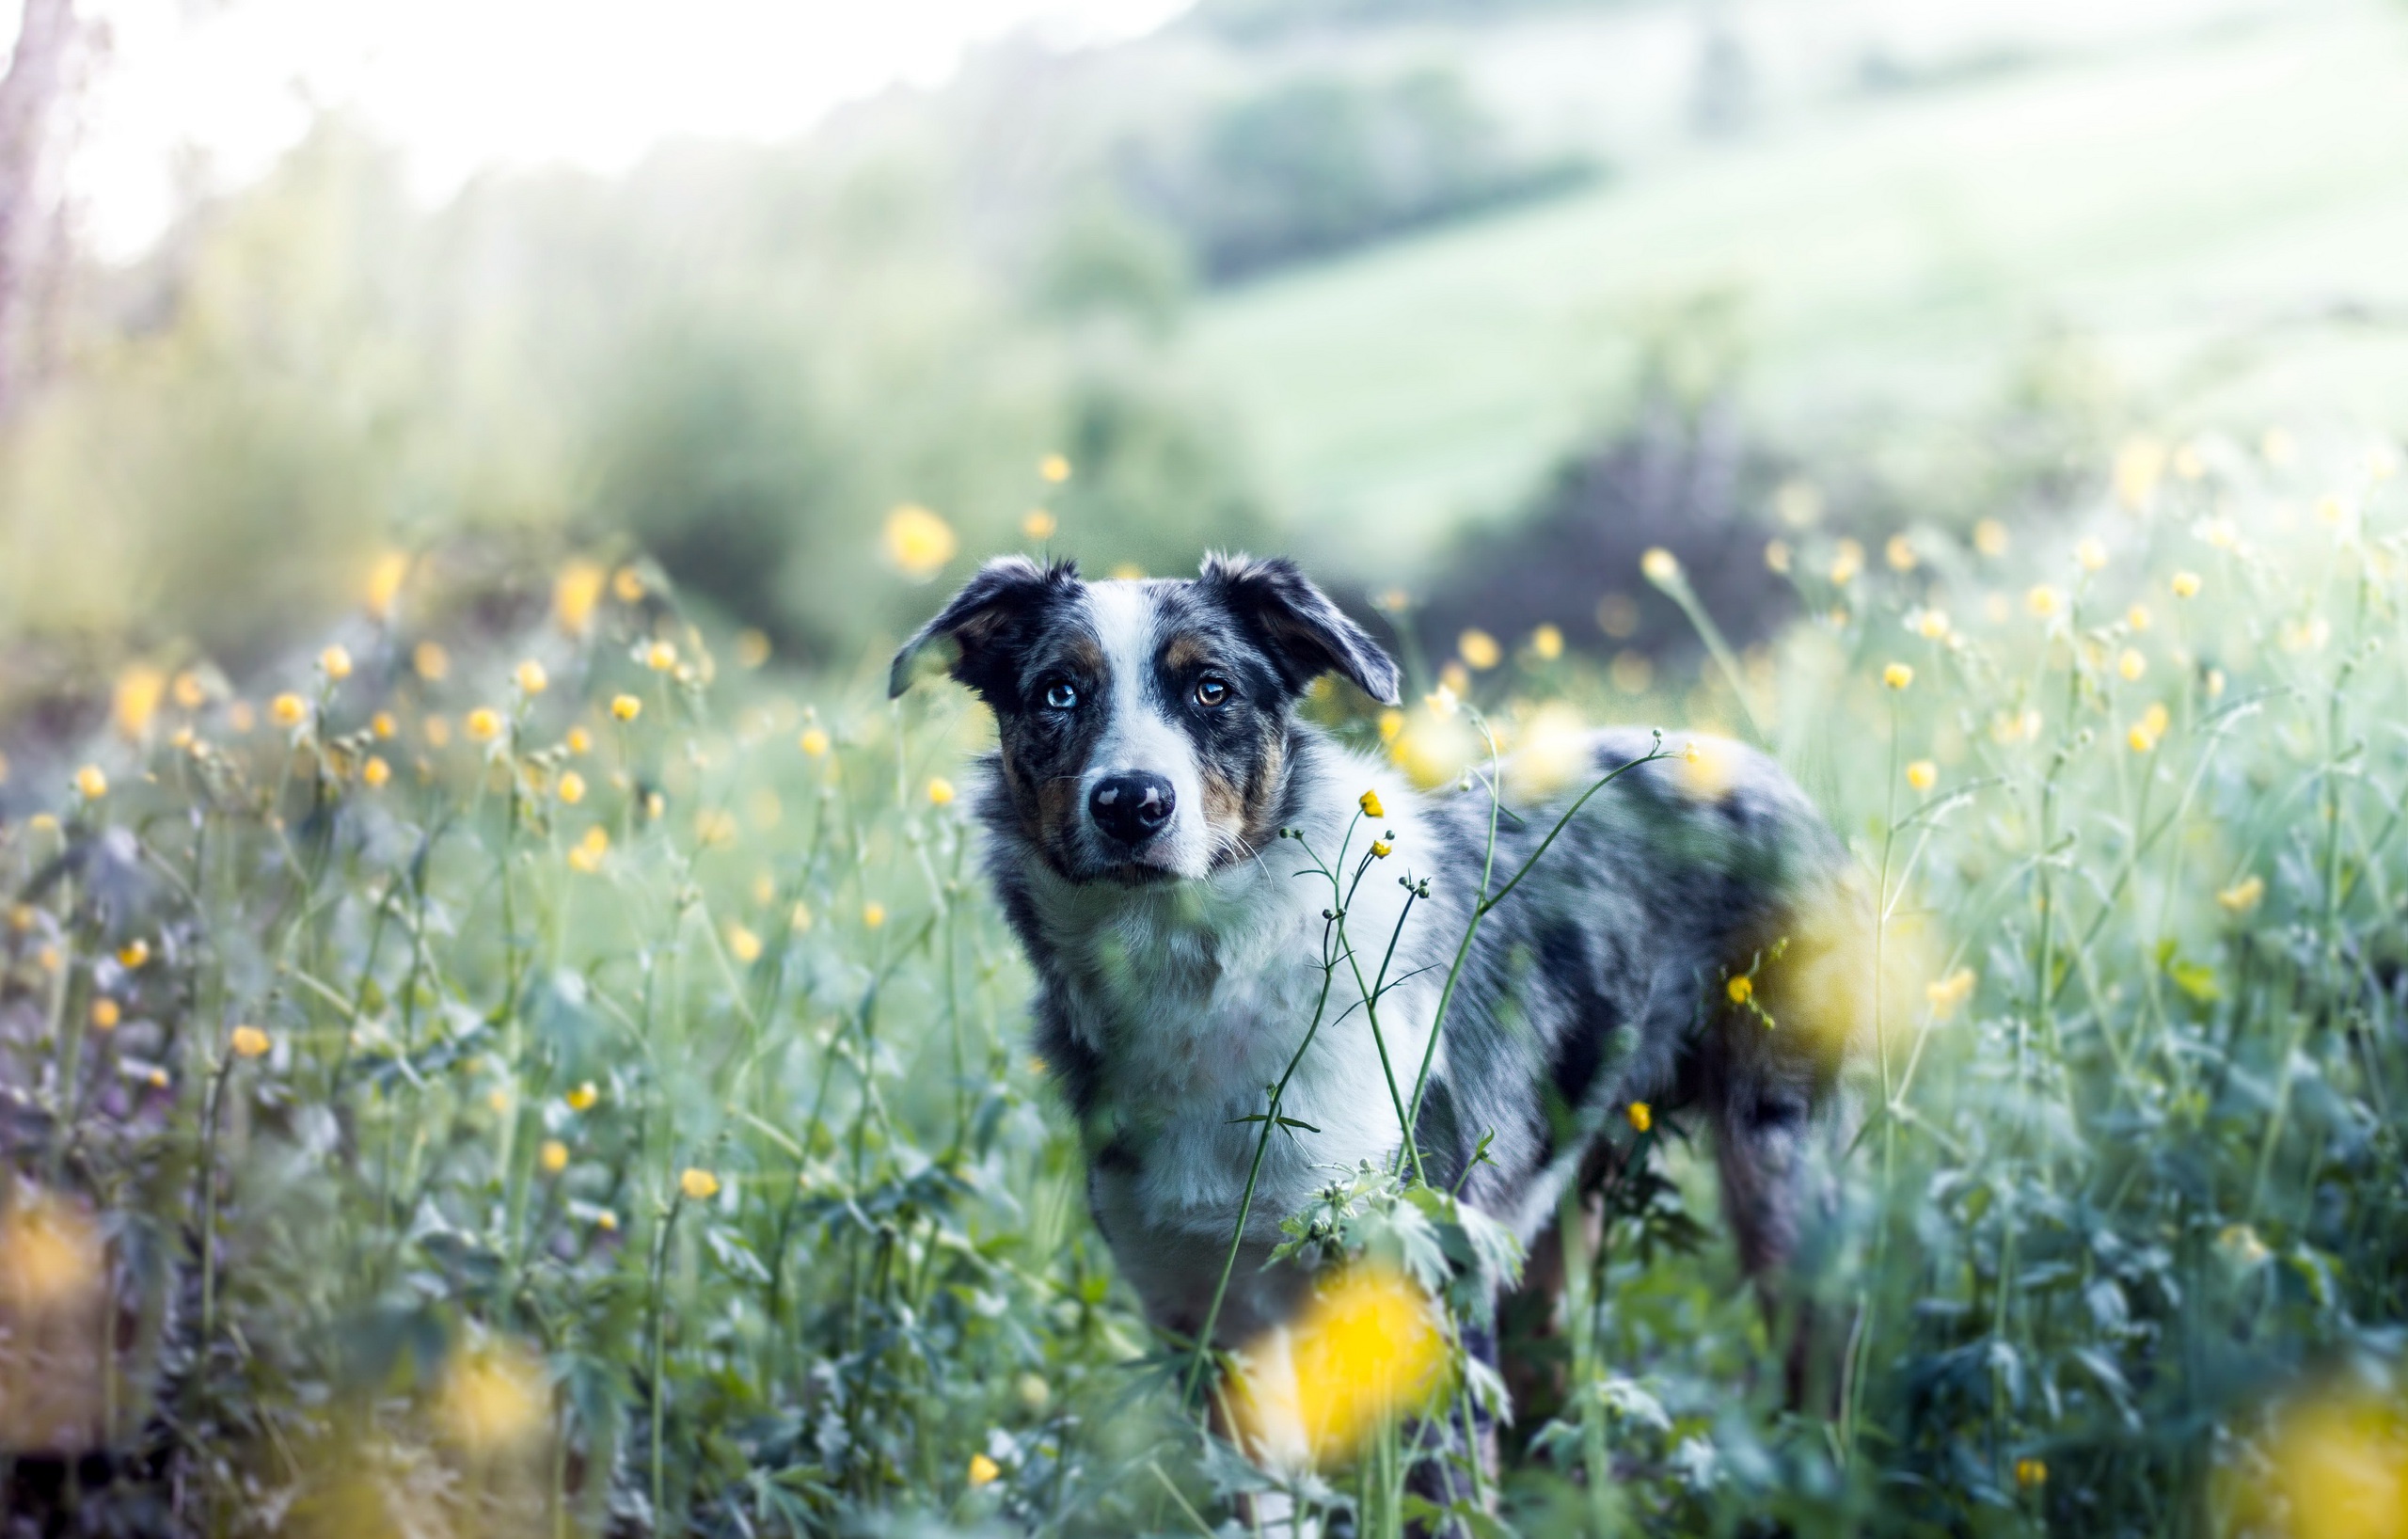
(1896, 255)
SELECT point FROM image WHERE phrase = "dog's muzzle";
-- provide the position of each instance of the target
(1131, 809)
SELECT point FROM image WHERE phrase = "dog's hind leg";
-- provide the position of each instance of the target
(1771, 1081)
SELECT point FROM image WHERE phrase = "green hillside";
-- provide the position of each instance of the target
(1893, 255)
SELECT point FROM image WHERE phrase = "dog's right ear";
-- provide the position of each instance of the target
(973, 634)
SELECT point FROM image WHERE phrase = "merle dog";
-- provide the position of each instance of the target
(1149, 754)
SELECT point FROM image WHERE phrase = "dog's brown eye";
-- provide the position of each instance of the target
(1211, 691)
(1061, 695)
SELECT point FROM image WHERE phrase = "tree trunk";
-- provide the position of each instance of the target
(29, 97)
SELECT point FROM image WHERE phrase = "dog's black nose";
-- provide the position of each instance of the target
(1131, 808)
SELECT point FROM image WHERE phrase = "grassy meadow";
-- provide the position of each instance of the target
(562, 1075)
(2205, 219)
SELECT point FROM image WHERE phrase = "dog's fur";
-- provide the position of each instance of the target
(1176, 976)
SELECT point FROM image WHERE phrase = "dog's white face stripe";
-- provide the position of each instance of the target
(1138, 736)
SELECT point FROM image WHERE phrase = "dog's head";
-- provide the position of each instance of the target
(1145, 724)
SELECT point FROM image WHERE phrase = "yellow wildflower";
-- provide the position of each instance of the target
(2140, 740)
(660, 657)
(2091, 553)
(1922, 774)
(51, 1258)
(432, 662)
(1947, 996)
(553, 1156)
(335, 661)
(2337, 1465)
(2240, 1243)
(571, 789)
(106, 1014)
(2138, 617)
(814, 741)
(1643, 1115)
(873, 915)
(136, 698)
(383, 725)
(1365, 1349)
(575, 593)
(248, 1042)
(2242, 896)
(2139, 466)
(385, 576)
(626, 707)
(90, 782)
(484, 724)
(494, 1401)
(1932, 624)
(1038, 525)
(1380, 849)
(2185, 584)
(2132, 664)
(1741, 989)
(2044, 601)
(531, 677)
(2030, 1474)
(133, 954)
(939, 791)
(1479, 649)
(188, 690)
(743, 944)
(918, 542)
(984, 1470)
(288, 710)
(586, 856)
(1547, 642)
(583, 1098)
(375, 772)
(1847, 561)
(1990, 537)
(607, 1221)
(1899, 553)
(1369, 802)
(627, 584)
(1898, 675)
(1659, 565)
(700, 1185)
(1056, 469)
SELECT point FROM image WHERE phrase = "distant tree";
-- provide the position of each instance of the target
(31, 94)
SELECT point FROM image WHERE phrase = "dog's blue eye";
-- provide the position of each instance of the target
(1211, 691)
(1061, 695)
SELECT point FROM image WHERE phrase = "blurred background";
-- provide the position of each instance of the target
(1468, 300)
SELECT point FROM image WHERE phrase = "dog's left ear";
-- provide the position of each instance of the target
(1304, 633)
(976, 632)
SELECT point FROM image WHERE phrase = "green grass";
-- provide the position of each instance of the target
(390, 1154)
(1894, 255)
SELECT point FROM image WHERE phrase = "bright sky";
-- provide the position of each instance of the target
(462, 84)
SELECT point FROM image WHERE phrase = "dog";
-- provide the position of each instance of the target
(1149, 756)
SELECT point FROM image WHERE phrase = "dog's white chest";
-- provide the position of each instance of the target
(1198, 1005)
